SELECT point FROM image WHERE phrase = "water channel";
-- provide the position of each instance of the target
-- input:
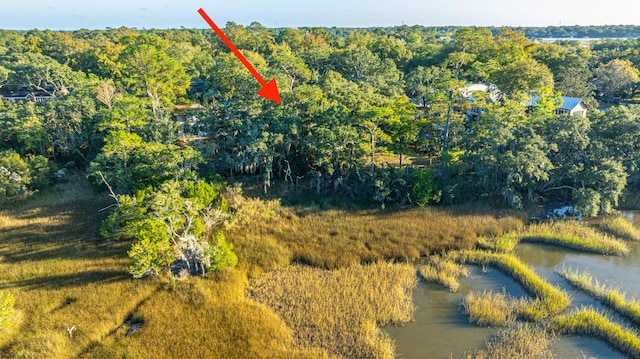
(441, 330)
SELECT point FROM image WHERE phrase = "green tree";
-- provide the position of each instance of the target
(508, 153)
(570, 68)
(152, 249)
(115, 159)
(166, 227)
(403, 125)
(4, 75)
(424, 189)
(231, 80)
(616, 78)
(150, 72)
(43, 73)
(523, 76)
(15, 175)
(292, 66)
(387, 47)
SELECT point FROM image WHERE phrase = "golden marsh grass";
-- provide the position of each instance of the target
(572, 235)
(62, 275)
(587, 321)
(523, 342)
(337, 238)
(620, 227)
(75, 298)
(614, 298)
(204, 318)
(340, 310)
(549, 300)
(492, 309)
(444, 271)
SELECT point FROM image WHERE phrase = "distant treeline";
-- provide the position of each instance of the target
(574, 31)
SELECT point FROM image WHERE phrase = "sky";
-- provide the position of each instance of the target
(141, 14)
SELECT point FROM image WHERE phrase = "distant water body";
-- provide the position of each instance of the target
(553, 39)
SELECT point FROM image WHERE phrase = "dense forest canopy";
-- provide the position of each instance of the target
(165, 117)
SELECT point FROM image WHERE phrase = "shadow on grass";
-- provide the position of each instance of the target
(54, 230)
(26, 246)
(69, 280)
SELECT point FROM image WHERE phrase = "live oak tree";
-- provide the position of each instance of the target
(616, 78)
(4, 75)
(341, 87)
(570, 68)
(165, 227)
(524, 75)
(42, 73)
(150, 72)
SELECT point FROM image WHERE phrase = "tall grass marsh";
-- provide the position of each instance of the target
(620, 227)
(310, 283)
(62, 275)
(571, 234)
(522, 342)
(588, 321)
(340, 310)
(336, 238)
(549, 300)
(204, 318)
(444, 271)
(612, 297)
(492, 309)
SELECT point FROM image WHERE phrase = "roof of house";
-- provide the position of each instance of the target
(569, 103)
(491, 89)
(23, 94)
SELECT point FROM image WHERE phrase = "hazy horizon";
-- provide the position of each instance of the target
(72, 15)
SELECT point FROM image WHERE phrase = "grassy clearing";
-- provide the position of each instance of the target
(587, 321)
(620, 227)
(491, 309)
(203, 318)
(523, 342)
(443, 271)
(340, 310)
(572, 235)
(336, 238)
(62, 275)
(611, 297)
(549, 300)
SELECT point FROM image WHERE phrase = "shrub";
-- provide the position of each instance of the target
(425, 188)
(15, 175)
(221, 253)
(152, 249)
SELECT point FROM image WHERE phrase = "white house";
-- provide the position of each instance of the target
(493, 95)
(572, 106)
(26, 96)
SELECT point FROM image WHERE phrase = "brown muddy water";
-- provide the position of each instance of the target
(440, 329)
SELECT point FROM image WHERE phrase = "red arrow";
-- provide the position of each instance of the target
(269, 89)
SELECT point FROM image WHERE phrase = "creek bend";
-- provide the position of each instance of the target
(440, 329)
